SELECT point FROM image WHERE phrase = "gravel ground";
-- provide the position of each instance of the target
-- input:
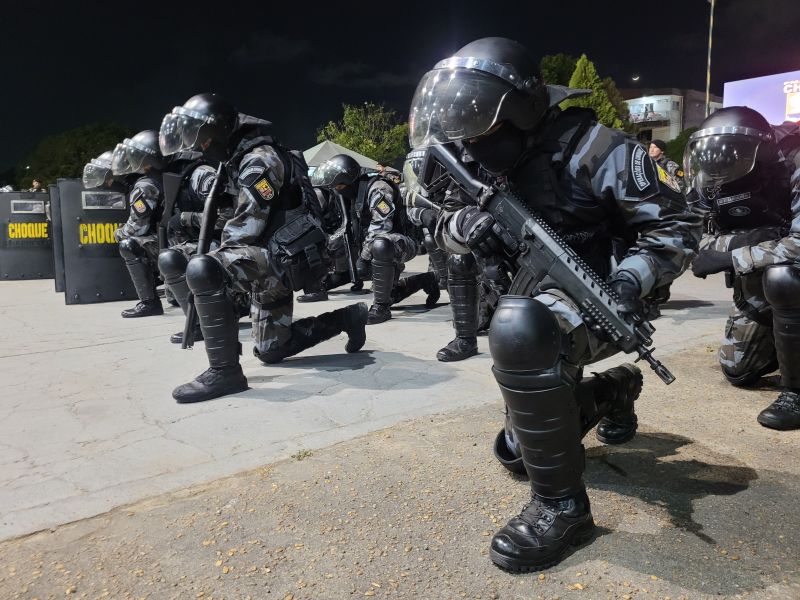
(701, 504)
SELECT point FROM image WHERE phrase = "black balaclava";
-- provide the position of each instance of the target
(500, 150)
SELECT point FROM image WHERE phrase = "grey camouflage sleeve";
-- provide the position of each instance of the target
(261, 177)
(781, 251)
(144, 198)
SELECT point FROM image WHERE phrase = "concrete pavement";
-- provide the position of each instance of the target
(87, 422)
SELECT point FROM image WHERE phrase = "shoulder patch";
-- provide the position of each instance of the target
(140, 206)
(264, 189)
(642, 177)
(668, 179)
(383, 208)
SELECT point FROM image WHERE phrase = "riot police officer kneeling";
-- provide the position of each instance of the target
(272, 247)
(745, 176)
(579, 176)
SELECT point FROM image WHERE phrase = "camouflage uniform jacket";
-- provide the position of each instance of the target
(609, 184)
(259, 180)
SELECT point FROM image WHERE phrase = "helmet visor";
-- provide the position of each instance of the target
(126, 159)
(454, 104)
(715, 160)
(179, 131)
(95, 173)
(325, 175)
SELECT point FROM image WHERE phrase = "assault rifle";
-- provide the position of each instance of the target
(541, 259)
(210, 209)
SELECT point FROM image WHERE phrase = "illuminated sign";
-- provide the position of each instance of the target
(777, 97)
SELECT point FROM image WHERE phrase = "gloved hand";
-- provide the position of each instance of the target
(480, 231)
(709, 262)
(628, 292)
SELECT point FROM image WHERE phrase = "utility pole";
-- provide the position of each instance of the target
(708, 66)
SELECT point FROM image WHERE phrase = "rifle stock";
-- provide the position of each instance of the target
(210, 210)
(541, 258)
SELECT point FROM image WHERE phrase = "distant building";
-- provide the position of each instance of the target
(777, 97)
(663, 113)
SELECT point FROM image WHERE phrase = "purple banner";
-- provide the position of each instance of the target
(777, 97)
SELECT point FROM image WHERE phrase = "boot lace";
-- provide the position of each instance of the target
(788, 401)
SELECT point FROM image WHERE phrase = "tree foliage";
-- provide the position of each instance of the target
(557, 69)
(370, 129)
(677, 146)
(64, 154)
(585, 76)
(620, 106)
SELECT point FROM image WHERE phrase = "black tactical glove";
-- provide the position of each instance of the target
(628, 293)
(709, 262)
(481, 233)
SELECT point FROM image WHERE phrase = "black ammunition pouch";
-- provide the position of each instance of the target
(298, 252)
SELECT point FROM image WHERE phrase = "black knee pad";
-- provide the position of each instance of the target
(524, 336)
(205, 275)
(782, 287)
(172, 263)
(382, 249)
(462, 265)
(130, 249)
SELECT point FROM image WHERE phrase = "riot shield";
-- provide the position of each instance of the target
(26, 248)
(93, 269)
(58, 238)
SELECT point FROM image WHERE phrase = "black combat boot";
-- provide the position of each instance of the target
(618, 388)
(313, 296)
(784, 413)
(414, 283)
(219, 323)
(542, 533)
(145, 308)
(463, 289)
(310, 331)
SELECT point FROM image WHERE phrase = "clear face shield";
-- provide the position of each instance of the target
(325, 175)
(180, 130)
(96, 173)
(454, 104)
(718, 156)
(126, 159)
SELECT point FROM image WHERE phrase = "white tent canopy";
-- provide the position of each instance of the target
(324, 150)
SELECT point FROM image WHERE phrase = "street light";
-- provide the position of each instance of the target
(634, 78)
(708, 67)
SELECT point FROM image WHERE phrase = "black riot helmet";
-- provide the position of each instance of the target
(204, 123)
(732, 144)
(488, 81)
(137, 154)
(339, 170)
(97, 172)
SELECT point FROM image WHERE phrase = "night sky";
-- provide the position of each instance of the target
(68, 64)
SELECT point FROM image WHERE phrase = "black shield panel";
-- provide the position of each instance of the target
(26, 246)
(58, 238)
(93, 269)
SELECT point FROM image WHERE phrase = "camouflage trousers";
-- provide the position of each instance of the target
(272, 303)
(584, 347)
(748, 349)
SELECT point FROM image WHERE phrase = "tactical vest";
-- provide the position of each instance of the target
(540, 180)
